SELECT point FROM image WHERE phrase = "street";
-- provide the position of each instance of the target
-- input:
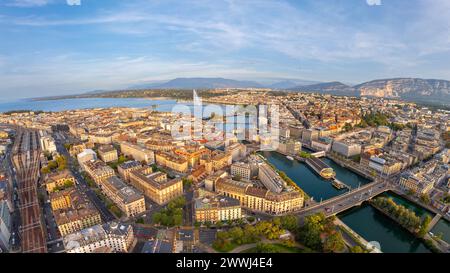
(83, 187)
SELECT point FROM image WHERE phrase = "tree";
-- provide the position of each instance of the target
(52, 165)
(68, 183)
(67, 146)
(347, 127)
(45, 170)
(357, 249)
(266, 248)
(289, 222)
(425, 198)
(187, 183)
(424, 226)
(177, 220)
(309, 233)
(122, 159)
(334, 242)
(156, 218)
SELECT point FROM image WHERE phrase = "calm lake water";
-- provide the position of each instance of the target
(85, 103)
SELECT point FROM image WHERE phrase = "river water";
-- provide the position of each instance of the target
(314, 185)
(365, 220)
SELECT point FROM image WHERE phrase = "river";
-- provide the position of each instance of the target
(314, 185)
(372, 225)
(365, 220)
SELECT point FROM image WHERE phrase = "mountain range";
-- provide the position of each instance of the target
(410, 89)
(211, 83)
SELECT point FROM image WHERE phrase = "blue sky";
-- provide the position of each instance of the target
(50, 48)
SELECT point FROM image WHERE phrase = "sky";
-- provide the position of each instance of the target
(53, 47)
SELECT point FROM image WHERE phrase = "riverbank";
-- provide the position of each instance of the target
(374, 226)
(312, 184)
(417, 229)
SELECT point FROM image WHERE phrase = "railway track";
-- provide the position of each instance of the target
(26, 161)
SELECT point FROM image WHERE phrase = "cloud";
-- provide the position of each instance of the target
(227, 26)
(75, 73)
(255, 38)
(27, 3)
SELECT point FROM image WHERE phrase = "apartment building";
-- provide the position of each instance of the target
(113, 237)
(58, 179)
(241, 169)
(217, 208)
(98, 170)
(125, 168)
(260, 199)
(137, 152)
(172, 161)
(191, 153)
(86, 155)
(107, 153)
(128, 199)
(63, 199)
(81, 214)
(156, 186)
(346, 148)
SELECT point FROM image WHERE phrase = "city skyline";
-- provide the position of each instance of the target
(52, 48)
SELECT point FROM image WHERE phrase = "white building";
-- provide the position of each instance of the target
(86, 155)
(322, 144)
(241, 169)
(347, 149)
(5, 225)
(137, 152)
(116, 236)
(47, 142)
(237, 151)
(270, 178)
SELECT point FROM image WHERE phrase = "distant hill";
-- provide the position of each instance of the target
(288, 84)
(211, 83)
(205, 83)
(427, 91)
(333, 88)
(407, 88)
(411, 89)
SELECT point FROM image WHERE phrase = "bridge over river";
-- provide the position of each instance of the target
(347, 200)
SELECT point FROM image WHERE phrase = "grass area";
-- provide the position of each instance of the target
(279, 248)
(227, 248)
